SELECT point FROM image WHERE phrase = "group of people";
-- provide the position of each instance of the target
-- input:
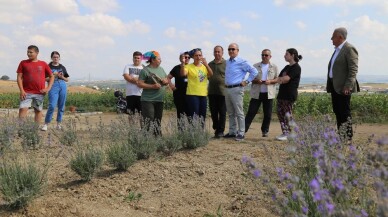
(223, 81)
(32, 75)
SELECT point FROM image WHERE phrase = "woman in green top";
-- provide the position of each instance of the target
(153, 80)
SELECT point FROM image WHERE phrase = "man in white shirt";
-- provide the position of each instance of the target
(263, 91)
(133, 92)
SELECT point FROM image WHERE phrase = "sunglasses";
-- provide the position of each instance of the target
(232, 49)
(187, 57)
(264, 55)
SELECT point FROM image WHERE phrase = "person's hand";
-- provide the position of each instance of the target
(45, 90)
(60, 75)
(244, 83)
(347, 91)
(267, 82)
(164, 81)
(22, 95)
(203, 60)
(182, 59)
(156, 86)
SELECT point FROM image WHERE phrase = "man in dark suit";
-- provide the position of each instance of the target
(341, 80)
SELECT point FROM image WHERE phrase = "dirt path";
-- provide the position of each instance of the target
(188, 183)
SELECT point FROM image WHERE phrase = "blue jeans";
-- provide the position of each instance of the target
(196, 105)
(57, 97)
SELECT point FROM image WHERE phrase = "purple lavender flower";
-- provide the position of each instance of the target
(382, 141)
(256, 173)
(305, 210)
(314, 184)
(364, 213)
(244, 159)
(337, 183)
(330, 208)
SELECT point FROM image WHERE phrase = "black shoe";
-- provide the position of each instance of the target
(220, 135)
(240, 137)
(265, 134)
(230, 135)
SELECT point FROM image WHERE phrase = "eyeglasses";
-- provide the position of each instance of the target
(265, 55)
(187, 57)
(232, 49)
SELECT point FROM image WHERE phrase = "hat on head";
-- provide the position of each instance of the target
(150, 54)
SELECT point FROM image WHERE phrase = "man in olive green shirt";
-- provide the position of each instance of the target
(216, 92)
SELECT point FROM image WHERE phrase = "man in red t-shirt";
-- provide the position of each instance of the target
(31, 79)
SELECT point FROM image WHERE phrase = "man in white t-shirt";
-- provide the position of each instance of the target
(133, 92)
(262, 91)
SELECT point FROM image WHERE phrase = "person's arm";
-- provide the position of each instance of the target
(144, 85)
(252, 73)
(50, 75)
(183, 70)
(171, 85)
(209, 70)
(64, 75)
(20, 85)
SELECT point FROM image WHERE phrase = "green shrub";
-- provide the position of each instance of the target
(87, 162)
(121, 156)
(171, 141)
(20, 183)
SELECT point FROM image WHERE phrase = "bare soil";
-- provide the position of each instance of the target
(188, 183)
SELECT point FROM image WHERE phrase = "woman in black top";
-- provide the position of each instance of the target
(288, 79)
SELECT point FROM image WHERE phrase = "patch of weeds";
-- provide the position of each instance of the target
(20, 182)
(218, 213)
(87, 162)
(133, 196)
(29, 132)
(121, 156)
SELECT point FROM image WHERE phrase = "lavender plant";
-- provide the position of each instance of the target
(21, 182)
(69, 134)
(29, 132)
(8, 130)
(192, 133)
(327, 177)
(121, 155)
(87, 162)
(143, 140)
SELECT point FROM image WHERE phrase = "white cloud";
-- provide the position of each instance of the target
(231, 25)
(100, 5)
(41, 40)
(239, 39)
(170, 32)
(15, 12)
(252, 15)
(301, 25)
(138, 26)
(373, 29)
(54, 7)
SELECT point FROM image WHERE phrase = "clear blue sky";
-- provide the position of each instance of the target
(98, 37)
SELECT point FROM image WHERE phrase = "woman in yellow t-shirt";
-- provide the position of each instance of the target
(197, 81)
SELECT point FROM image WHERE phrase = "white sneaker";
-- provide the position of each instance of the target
(44, 128)
(59, 127)
(282, 137)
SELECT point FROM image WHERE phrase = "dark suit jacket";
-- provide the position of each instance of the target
(345, 69)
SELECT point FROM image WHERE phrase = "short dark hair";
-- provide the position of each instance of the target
(219, 47)
(55, 52)
(33, 47)
(137, 53)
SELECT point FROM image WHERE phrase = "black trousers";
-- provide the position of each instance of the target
(341, 109)
(218, 112)
(253, 108)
